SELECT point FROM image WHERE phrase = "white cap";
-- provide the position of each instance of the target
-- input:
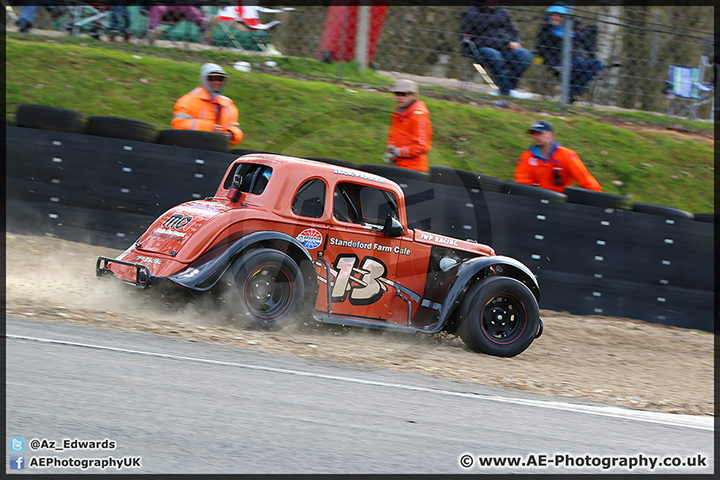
(405, 86)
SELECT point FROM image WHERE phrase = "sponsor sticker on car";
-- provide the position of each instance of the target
(310, 238)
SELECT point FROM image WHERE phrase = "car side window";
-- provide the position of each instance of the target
(309, 201)
(377, 204)
(354, 203)
(343, 208)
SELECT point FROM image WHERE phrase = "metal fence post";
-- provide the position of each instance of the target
(566, 65)
(363, 32)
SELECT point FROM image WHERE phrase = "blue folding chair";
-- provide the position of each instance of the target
(686, 91)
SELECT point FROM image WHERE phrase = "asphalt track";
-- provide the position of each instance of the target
(188, 407)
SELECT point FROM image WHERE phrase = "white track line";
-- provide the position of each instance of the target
(687, 421)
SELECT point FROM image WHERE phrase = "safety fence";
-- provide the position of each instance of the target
(103, 180)
(657, 58)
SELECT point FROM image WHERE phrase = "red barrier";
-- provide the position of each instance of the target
(340, 31)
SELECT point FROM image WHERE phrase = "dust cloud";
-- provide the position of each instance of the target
(613, 360)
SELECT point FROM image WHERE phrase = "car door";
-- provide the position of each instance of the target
(362, 258)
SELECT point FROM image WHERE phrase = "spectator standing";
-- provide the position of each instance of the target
(494, 42)
(547, 164)
(119, 14)
(410, 137)
(29, 9)
(27, 15)
(549, 46)
(205, 108)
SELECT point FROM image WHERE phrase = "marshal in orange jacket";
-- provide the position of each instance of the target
(411, 132)
(555, 173)
(203, 109)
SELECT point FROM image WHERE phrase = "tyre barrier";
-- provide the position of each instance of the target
(596, 199)
(396, 174)
(50, 118)
(705, 217)
(515, 188)
(217, 142)
(450, 176)
(125, 128)
(660, 210)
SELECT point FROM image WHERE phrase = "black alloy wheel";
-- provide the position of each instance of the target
(268, 286)
(499, 316)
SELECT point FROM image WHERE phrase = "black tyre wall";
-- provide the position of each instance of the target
(452, 176)
(51, 118)
(125, 128)
(216, 142)
(515, 188)
(396, 174)
(705, 217)
(667, 212)
(597, 199)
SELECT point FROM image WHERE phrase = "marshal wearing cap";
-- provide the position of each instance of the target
(405, 86)
(541, 126)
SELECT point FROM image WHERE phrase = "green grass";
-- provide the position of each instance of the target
(342, 119)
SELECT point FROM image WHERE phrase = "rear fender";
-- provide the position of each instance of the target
(475, 269)
(204, 273)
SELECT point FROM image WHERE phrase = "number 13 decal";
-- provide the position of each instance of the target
(361, 285)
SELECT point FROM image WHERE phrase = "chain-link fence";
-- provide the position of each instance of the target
(654, 58)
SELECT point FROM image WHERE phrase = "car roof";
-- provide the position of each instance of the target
(287, 165)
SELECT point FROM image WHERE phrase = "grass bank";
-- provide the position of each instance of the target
(335, 120)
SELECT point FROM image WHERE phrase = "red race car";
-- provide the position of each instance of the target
(283, 237)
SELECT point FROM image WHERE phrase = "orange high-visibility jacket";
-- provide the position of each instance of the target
(411, 132)
(198, 110)
(555, 173)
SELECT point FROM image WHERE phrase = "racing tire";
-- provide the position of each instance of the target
(123, 128)
(515, 188)
(490, 184)
(667, 212)
(268, 286)
(50, 118)
(596, 199)
(216, 142)
(705, 217)
(499, 316)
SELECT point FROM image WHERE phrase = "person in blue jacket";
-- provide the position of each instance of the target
(549, 45)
